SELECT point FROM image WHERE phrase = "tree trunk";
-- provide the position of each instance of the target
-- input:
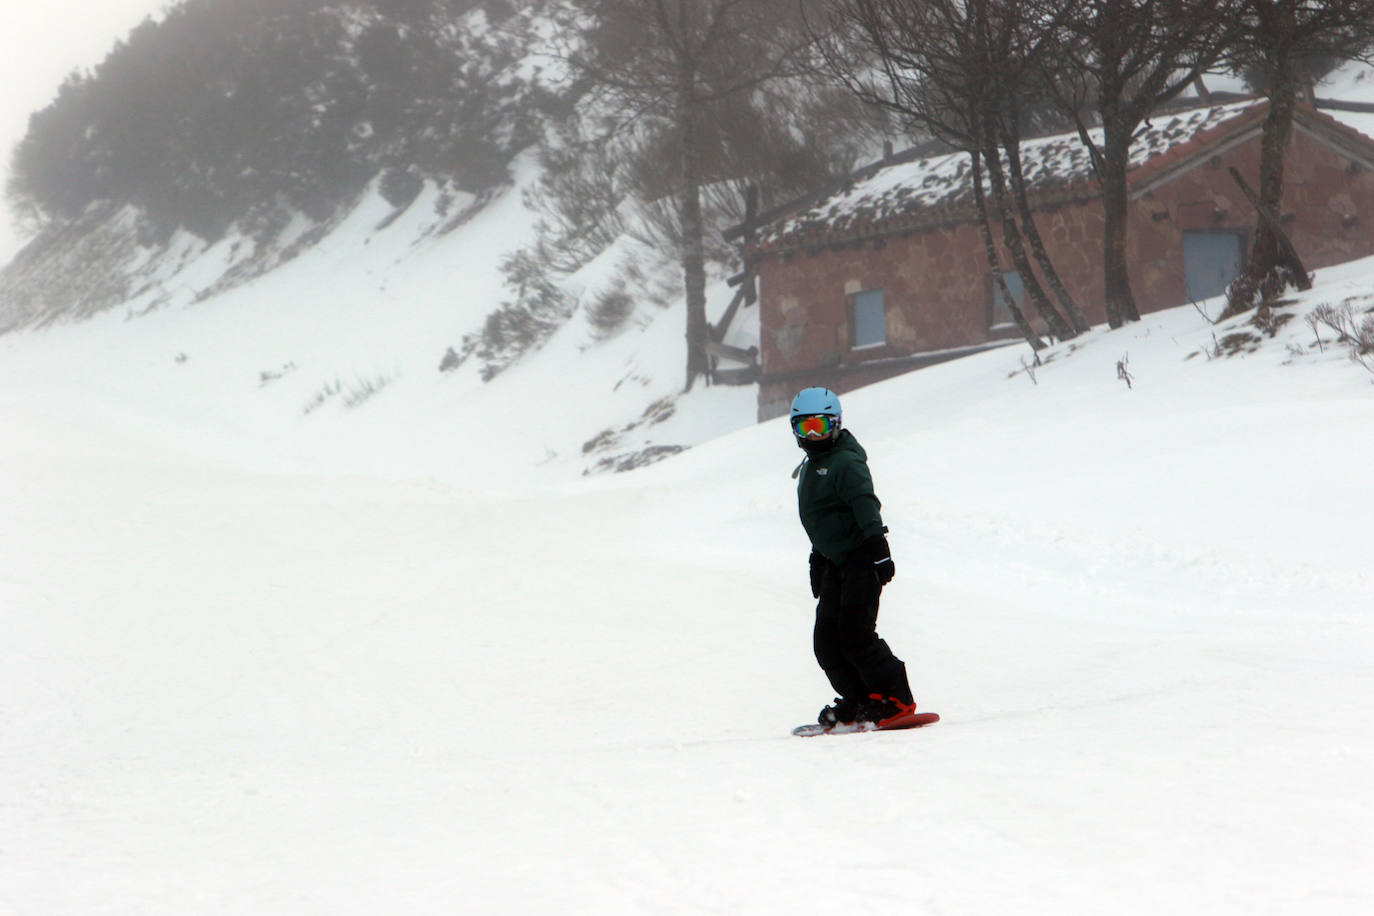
(994, 264)
(1120, 304)
(1278, 128)
(1011, 238)
(1077, 319)
(1287, 258)
(693, 247)
(1258, 283)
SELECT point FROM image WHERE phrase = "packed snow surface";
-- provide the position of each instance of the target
(242, 677)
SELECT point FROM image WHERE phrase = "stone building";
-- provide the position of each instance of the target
(890, 274)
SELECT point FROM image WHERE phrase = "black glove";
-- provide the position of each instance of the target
(878, 553)
(818, 567)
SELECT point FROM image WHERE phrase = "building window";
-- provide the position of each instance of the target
(999, 315)
(868, 321)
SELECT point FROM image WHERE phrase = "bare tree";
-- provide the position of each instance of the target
(671, 61)
(997, 48)
(1018, 34)
(990, 248)
(1122, 59)
(1281, 40)
(955, 69)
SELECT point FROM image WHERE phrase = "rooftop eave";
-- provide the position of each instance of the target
(1179, 165)
(1342, 138)
(954, 213)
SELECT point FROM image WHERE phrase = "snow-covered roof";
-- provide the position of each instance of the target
(938, 189)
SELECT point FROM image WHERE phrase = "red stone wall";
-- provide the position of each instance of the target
(1324, 197)
(936, 287)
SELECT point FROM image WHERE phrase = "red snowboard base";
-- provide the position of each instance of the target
(915, 720)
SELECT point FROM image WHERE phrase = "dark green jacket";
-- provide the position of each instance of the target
(836, 501)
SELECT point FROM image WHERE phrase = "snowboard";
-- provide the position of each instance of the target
(915, 720)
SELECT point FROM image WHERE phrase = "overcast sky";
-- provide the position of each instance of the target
(41, 41)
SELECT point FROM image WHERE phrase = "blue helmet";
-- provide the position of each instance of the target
(811, 402)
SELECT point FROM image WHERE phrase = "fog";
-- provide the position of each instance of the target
(41, 42)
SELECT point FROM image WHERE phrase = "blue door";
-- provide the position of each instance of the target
(1211, 260)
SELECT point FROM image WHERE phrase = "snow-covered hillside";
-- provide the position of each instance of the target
(332, 672)
(294, 623)
(343, 343)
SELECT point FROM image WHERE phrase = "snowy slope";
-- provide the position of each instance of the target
(234, 683)
(344, 343)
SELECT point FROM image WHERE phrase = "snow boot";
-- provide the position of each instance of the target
(883, 710)
(844, 711)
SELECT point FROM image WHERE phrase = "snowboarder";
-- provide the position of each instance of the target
(850, 563)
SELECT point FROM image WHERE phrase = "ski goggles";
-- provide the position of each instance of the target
(814, 426)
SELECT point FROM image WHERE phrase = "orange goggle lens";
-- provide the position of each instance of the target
(817, 426)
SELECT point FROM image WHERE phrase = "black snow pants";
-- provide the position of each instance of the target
(856, 661)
